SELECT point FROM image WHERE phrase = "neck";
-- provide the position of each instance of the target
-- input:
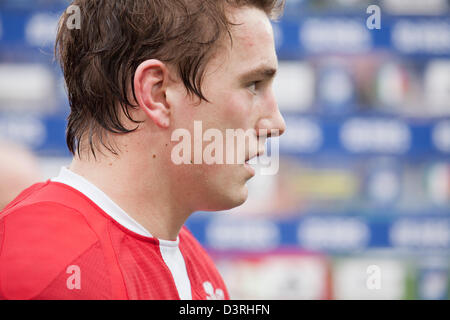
(138, 187)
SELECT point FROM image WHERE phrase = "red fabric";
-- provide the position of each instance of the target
(198, 265)
(52, 227)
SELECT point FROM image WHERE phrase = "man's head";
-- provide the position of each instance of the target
(138, 70)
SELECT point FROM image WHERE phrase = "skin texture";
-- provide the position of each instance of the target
(143, 180)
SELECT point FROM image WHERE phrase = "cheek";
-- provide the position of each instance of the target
(225, 112)
(236, 111)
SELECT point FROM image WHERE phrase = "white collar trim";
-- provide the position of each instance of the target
(79, 183)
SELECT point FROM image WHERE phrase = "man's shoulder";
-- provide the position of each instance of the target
(39, 238)
(46, 192)
(46, 211)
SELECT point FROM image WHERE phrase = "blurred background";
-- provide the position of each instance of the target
(360, 208)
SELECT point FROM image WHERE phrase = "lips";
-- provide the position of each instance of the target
(258, 154)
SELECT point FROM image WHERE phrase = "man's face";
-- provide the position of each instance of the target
(238, 86)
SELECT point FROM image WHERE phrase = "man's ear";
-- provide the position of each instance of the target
(150, 84)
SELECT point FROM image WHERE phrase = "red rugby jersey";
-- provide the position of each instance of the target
(58, 243)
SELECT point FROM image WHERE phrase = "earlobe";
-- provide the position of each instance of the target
(150, 84)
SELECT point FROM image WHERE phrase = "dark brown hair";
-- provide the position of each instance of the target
(99, 59)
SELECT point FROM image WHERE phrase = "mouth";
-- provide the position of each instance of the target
(250, 169)
(247, 164)
(258, 154)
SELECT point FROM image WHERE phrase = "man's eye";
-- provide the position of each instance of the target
(252, 86)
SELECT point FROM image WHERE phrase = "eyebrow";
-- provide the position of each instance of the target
(263, 73)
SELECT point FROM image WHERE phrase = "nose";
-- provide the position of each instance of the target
(273, 124)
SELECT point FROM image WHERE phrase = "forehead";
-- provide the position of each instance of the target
(250, 25)
(253, 43)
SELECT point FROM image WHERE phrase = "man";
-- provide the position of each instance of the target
(19, 169)
(111, 225)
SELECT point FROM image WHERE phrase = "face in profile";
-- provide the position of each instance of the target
(238, 86)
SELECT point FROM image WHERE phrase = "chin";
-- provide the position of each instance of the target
(238, 198)
(230, 200)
